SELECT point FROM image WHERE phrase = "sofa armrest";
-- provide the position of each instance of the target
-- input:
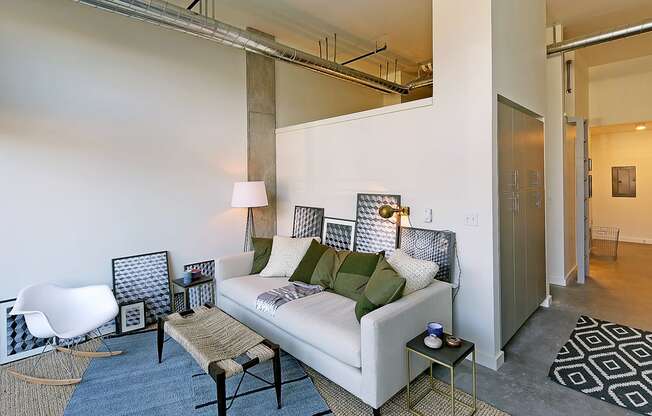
(385, 331)
(235, 265)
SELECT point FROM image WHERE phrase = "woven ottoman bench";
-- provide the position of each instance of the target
(215, 339)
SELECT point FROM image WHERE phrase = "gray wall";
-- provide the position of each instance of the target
(116, 138)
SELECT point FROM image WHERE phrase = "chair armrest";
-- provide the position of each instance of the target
(385, 331)
(235, 265)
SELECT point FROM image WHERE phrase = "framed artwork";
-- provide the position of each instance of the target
(372, 232)
(144, 277)
(431, 245)
(308, 222)
(203, 293)
(338, 233)
(16, 342)
(132, 316)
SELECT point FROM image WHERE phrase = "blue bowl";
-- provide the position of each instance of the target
(435, 328)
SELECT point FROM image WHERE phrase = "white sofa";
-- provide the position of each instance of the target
(367, 358)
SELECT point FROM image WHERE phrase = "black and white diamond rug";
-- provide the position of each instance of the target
(608, 361)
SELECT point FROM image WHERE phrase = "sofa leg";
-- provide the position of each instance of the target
(376, 412)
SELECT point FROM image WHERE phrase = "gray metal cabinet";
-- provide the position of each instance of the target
(522, 217)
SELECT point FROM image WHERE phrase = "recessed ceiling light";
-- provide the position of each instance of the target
(641, 127)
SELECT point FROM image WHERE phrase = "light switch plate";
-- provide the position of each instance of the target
(471, 220)
(427, 215)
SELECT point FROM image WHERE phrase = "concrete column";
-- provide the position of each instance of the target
(261, 135)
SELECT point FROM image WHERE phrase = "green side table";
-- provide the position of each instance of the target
(446, 356)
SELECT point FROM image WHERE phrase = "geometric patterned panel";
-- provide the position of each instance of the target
(308, 222)
(431, 245)
(338, 233)
(143, 277)
(201, 294)
(608, 361)
(372, 232)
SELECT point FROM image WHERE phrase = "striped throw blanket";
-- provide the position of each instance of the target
(273, 299)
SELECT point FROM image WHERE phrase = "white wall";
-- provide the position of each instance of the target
(116, 138)
(438, 157)
(631, 215)
(303, 95)
(620, 92)
(554, 131)
(519, 52)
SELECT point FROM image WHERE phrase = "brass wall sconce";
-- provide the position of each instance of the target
(388, 211)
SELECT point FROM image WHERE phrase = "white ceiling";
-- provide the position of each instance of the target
(585, 17)
(405, 26)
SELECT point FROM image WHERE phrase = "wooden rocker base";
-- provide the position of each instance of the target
(89, 354)
(46, 381)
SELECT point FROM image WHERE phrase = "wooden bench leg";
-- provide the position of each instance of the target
(217, 374)
(160, 336)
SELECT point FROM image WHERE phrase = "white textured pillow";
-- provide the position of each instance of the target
(286, 255)
(418, 274)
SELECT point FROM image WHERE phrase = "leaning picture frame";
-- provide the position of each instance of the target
(131, 316)
(338, 233)
(16, 342)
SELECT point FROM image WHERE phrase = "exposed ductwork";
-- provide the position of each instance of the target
(173, 17)
(602, 37)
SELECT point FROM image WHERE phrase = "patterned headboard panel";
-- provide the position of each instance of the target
(431, 245)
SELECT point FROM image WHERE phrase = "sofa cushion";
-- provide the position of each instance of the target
(326, 320)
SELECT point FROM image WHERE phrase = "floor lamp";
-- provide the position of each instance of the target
(249, 195)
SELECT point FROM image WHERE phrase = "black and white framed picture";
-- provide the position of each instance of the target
(132, 316)
(372, 232)
(308, 222)
(338, 233)
(16, 342)
(144, 277)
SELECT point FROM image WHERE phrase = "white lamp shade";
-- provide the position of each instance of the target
(249, 195)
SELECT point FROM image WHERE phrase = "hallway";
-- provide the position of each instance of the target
(617, 291)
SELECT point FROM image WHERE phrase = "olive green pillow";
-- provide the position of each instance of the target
(262, 251)
(309, 264)
(384, 287)
(354, 273)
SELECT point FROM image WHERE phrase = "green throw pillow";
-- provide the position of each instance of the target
(354, 273)
(384, 287)
(308, 265)
(262, 251)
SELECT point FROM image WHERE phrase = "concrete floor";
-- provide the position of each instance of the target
(616, 291)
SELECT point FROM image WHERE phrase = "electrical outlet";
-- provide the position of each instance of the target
(471, 220)
(427, 215)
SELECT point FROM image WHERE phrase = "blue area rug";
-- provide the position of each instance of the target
(134, 383)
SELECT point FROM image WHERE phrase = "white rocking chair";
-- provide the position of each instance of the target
(53, 311)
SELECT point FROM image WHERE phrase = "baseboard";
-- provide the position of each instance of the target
(486, 360)
(547, 301)
(637, 240)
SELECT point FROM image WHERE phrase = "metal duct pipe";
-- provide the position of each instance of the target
(603, 37)
(425, 81)
(173, 17)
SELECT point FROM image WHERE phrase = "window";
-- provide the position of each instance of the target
(623, 181)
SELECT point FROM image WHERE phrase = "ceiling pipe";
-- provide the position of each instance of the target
(602, 37)
(173, 17)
